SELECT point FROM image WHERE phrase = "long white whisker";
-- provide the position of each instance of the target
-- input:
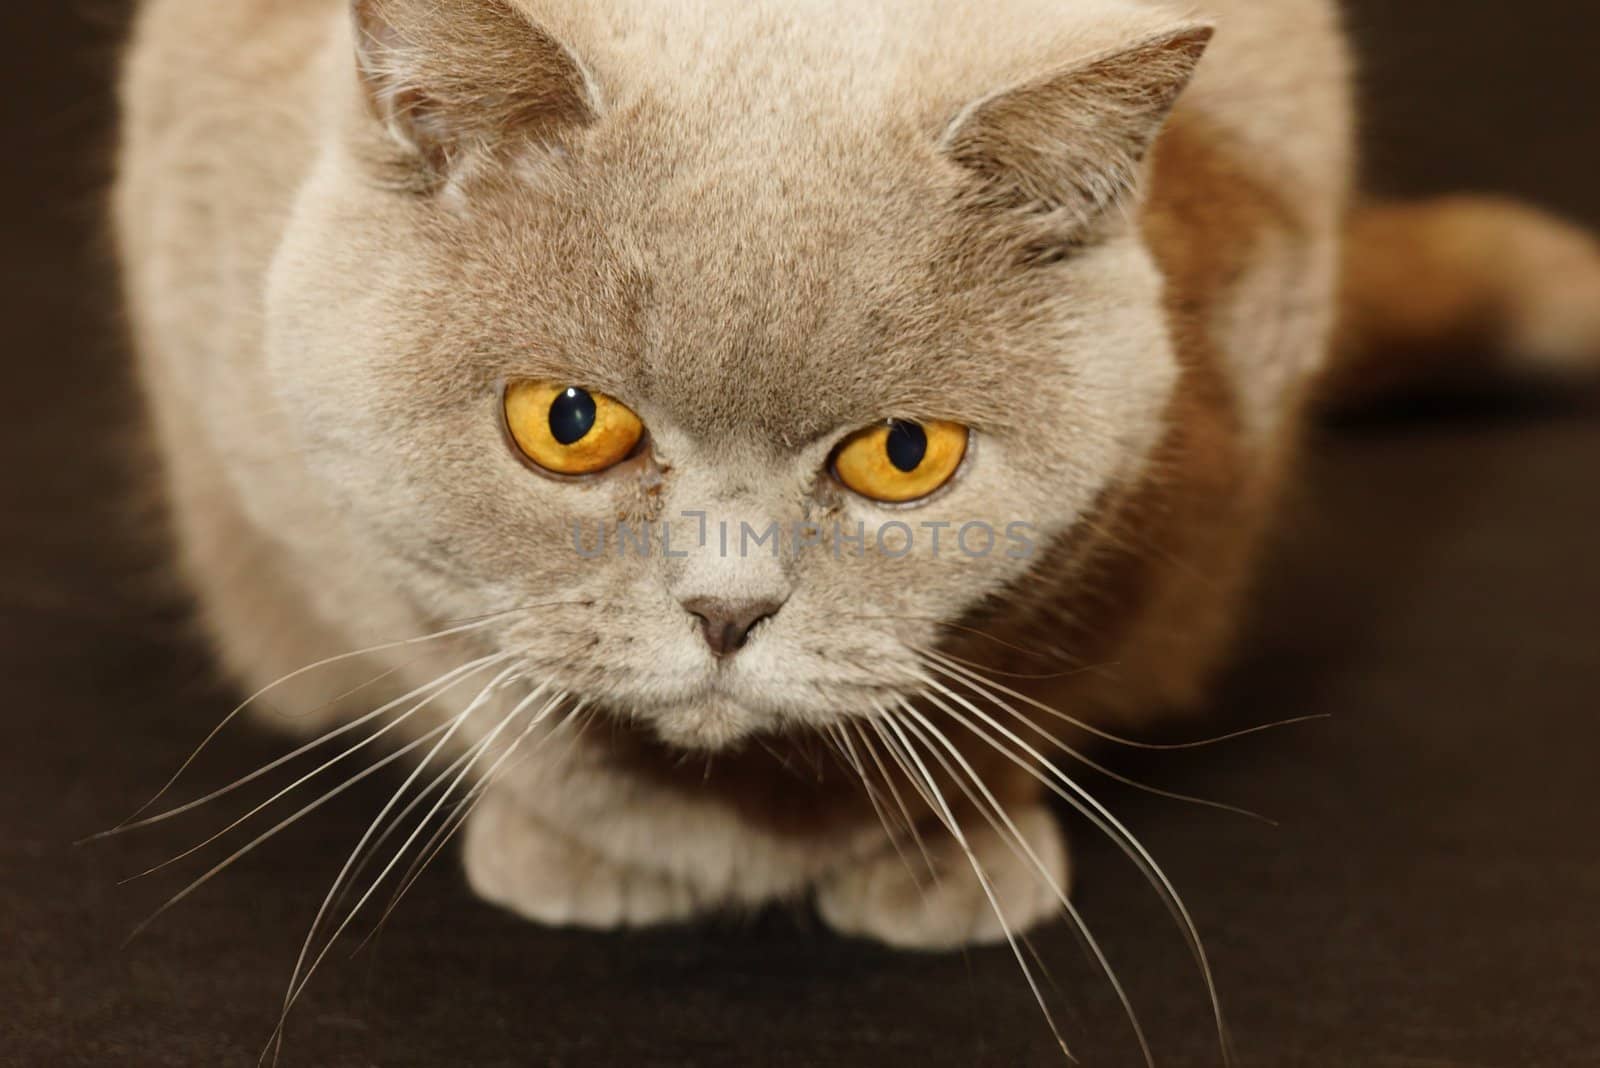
(1020, 846)
(332, 940)
(133, 822)
(395, 824)
(846, 748)
(280, 826)
(839, 738)
(948, 818)
(469, 803)
(949, 666)
(1080, 926)
(1091, 808)
(453, 726)
(437, 687)
(983, 691)
(399, 820)
(301, 673)
(894, 793)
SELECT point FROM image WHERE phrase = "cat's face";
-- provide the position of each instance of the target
(756, 290)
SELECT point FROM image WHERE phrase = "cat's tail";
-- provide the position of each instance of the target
(1463, 288)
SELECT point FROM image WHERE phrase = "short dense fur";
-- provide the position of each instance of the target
(1107, 240)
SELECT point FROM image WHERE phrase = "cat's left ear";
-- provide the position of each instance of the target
(1074, 141)
(447, 77)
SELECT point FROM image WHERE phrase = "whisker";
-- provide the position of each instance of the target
(399, 820)
(947, 817)
(332, 940)
(468, 803)
(269, 802)
(1048, 676)
(394, 825)
(451, 727)
(437, 686)
(1014, 839)
(284, 824)
(1090, 762)
(894, 792)
(847, 749)
(466, 807)
(1091, 808)
(946, 667)
(456, 628)
(1058, 654)
(1144, 545)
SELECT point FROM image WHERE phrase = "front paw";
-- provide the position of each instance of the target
(893, 896)
(514, 861)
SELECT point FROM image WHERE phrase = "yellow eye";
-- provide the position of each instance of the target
(568, 430)
(901, 462)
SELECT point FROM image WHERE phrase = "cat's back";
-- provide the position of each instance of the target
(191, 58)
(216, 117)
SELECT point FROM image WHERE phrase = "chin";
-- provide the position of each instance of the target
(714, 722)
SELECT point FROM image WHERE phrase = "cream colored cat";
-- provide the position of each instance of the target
(432, 295)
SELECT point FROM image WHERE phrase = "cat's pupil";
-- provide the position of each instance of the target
(572, 416)
(908, 446)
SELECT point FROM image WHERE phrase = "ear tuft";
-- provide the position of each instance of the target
(1075, 140)
(447, 77)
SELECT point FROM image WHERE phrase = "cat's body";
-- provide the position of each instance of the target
(760, 225)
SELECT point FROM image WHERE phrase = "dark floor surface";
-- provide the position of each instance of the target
(1429, 898)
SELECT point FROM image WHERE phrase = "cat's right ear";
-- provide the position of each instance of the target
(448, 78)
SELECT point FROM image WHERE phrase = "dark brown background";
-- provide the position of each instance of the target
(1429, 898)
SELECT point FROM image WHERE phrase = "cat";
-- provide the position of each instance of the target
(617, 366)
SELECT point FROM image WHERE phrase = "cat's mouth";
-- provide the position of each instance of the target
(725, 711)
(697, 702)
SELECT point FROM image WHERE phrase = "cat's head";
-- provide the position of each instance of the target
(572, 271)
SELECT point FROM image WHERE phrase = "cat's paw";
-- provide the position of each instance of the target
(515, 862)
(894, 899)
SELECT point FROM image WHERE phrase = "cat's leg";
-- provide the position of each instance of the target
(515, 861)
(893, 897)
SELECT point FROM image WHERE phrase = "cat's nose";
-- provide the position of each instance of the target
(727, 624)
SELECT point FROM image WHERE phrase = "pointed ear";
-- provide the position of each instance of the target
(1075, 140)
(447, 77)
